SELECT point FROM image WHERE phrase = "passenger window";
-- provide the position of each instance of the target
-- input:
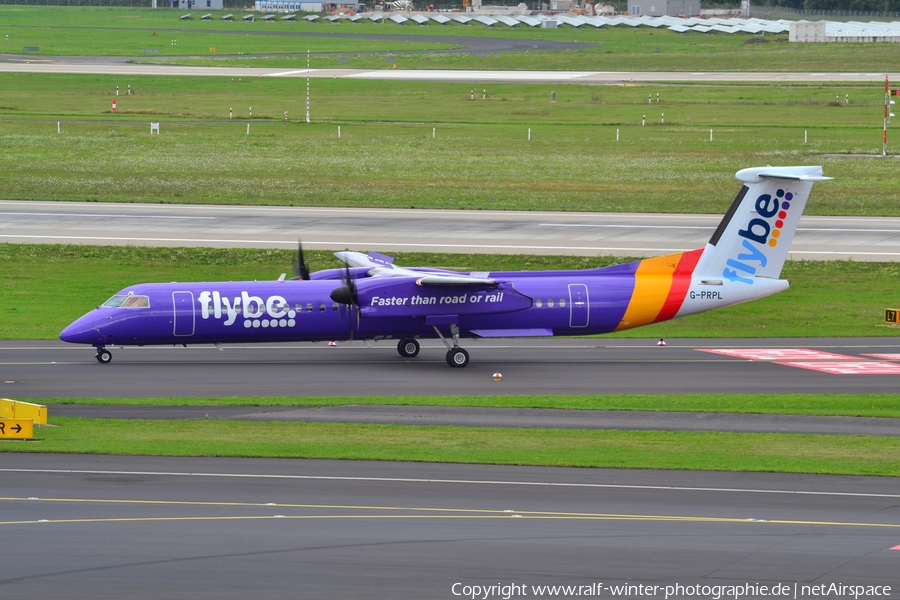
(334, 306)
(321, 307)
(298, 307)
(562, 302)
(550, 302)
(309, 307)
(539, 303)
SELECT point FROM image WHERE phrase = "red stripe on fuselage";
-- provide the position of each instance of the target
(681, 282)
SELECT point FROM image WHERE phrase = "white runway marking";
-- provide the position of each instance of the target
(339, 244)
(102, 216)
(452, 481)
(422, 75)
(604, 225)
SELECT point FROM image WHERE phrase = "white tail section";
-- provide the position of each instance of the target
(754, 238)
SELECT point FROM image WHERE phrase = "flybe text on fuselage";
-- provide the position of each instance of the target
(760, 234)
(213, 305)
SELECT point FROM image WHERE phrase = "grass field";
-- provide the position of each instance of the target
(385, 156)
(850, 405)
(856, 455)
(827, 298)
(128, 32)
(481, 158)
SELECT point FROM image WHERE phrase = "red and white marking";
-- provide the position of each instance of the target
(778, 354)
(847, 368)
(896, 548)
(885, 356)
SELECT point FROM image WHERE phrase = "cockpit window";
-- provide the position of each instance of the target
(130, 301)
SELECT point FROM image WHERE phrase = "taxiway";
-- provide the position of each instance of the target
(103, 527)
(529, 366)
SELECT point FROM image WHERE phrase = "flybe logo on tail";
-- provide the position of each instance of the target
(759, 233)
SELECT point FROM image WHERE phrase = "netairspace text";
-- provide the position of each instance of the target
(794, 591)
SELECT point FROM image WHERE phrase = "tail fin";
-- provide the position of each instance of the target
(754, 237)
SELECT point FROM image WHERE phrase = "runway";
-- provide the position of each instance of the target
(144, 527)
(397, 230)
(41, 64)
(529, 366)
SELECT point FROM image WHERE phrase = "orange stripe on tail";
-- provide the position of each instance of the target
(681, 282)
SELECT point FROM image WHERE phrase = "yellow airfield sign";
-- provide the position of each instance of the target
(16, 429)
(16, 409)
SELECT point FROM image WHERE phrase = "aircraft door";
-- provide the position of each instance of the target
(579, 305)
(183, 306)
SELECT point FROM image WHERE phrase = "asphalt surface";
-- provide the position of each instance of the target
(105, 66)
(393, 230)
(529, 366)
(117, 527)
(467, 416)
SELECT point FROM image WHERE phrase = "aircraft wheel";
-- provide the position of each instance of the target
(104, 356)
(408, 348)
(457, 358)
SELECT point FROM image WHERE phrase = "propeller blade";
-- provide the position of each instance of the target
(301, 270)
(304, 269)
(353, 295)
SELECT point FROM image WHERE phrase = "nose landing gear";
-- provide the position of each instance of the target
(103, 356)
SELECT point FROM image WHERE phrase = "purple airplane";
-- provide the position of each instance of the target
(373, 299)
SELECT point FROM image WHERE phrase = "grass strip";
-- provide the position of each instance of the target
(853, 405)
(150, 33)
(588, 150)
(848, 455)
(827, 298)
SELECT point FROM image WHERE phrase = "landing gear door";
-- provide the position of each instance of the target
(183, 306)
(579, 305)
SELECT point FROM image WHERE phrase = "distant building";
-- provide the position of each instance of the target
(189, 4)
(660, 8)
(334, 6)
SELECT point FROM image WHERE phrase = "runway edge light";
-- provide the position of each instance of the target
(16, 409)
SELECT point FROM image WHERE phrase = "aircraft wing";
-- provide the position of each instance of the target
(380, 265)
(439, 279)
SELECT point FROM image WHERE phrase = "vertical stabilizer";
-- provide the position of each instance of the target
(754, 238)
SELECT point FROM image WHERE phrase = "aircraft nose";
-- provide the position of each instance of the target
(81, 331)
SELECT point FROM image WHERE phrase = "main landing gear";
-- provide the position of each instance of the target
(456, 356)
(408, 348)
(103, 356)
